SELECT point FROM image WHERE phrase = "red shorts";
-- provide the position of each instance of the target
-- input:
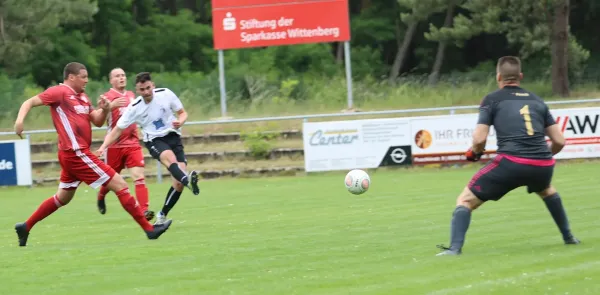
(125, 157)
(83, 166)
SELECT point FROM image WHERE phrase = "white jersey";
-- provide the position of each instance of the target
(155, 118)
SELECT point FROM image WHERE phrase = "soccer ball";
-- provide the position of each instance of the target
(357, 181)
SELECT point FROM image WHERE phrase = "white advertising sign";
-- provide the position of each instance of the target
(581, 130)
(358, 144)
(443, 139)
(15, 163)
(344, 145)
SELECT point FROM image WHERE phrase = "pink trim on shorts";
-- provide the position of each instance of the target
(486, 170)
(531, 162)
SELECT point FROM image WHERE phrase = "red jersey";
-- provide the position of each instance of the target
(71, 116)
(129, 137)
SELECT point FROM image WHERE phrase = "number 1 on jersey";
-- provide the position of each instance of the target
(525, 112)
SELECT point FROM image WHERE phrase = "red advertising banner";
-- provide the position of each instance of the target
(262, 23)
(216, 4)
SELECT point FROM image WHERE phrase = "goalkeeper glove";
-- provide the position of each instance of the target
(473, 156)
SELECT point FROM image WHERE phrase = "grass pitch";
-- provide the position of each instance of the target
(307, 235)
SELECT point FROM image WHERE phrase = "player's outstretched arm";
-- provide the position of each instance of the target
(177, 108)
(125, 121)
(482, 129)
(477, 148)
(556, 138)
(182, 116)
(35, 101)
(112, 136)
(480, 136)
(553, 131)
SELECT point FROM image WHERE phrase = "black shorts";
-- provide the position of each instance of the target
(172, 142)
(506, 173)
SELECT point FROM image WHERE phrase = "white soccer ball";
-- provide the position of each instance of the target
(357, 181)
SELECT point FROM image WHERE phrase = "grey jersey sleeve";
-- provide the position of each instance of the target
(548, 118)
(486, 112)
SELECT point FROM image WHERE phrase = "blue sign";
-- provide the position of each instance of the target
(8, 167)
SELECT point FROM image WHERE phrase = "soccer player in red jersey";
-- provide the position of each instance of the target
(72, 113)
(126, 152)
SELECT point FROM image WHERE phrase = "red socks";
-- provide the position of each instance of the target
(141, 193)
(131, 206)
(44, 210)
(103, 192)
(127, 201)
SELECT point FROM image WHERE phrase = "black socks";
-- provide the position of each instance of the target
(171, 200)
(555, 206)
(461, 218)
(178, 174)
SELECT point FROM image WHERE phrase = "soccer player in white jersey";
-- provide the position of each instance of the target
(154, 112)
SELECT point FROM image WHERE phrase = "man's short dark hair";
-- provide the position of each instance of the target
(143, 77)
(509, 68)
(72, 68)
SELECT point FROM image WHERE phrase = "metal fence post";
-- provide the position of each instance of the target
(158, 172)
(347, 63)
(28, 137)
(222, 84)
(305, 120)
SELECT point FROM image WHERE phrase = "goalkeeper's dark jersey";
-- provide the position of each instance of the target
(520, 119)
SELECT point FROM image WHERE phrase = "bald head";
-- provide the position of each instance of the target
(508, 70)
(117, 79)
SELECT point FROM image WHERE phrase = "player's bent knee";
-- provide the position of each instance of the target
(547, 192)
(117, 183)
(137, 172)
(65, 196)
(468, 199)
(177, 186)
(167, 158)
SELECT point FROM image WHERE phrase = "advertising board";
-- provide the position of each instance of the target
(342, 145)
(262, 23)
(15, 163)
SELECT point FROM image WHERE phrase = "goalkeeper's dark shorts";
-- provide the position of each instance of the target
(505, 173)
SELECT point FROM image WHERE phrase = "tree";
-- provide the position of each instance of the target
(110, 27)
(442, 43)
(25, 25)
(560, 51)
(67, 46)
(534, 26)
(420, 10)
